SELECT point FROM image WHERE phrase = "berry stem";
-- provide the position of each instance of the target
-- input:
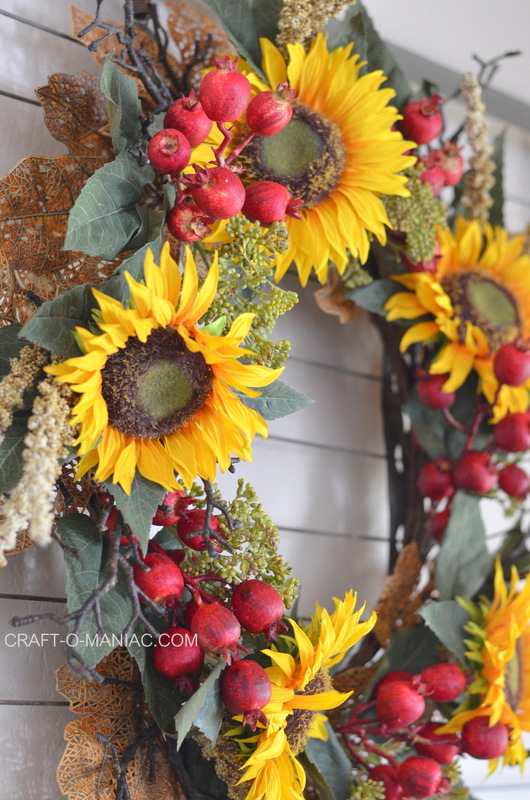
(241, 146)
(218, 152)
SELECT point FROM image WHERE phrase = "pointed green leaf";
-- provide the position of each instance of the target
(266, 14)
(446, 619)
(332, 762)
(192, 709)
(237, 21)
(138, 507)
(11, 343)
(411, 650)
(125, 111)
(277, 400)
(104, 218)
(374, 296)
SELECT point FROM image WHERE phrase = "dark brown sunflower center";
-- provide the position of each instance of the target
(513, 678)
(300, 721)
(307, 157)
(486, 304)
(151, 389)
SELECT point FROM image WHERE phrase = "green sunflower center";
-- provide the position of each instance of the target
(152, 388)
(307, 156)
(300, 721)
(486, 304)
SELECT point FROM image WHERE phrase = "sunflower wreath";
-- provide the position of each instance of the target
(137, 365)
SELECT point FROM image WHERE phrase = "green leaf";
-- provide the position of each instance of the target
(332, 763)
(11, 449)
(496, 213)
(429, 426)
(103, 219)
(266, 14)
(11, 343)
(446, 619)
(277, 400)
(83, 575)
(411, 650)
(374, 296)
(464, 561)
(192, 709)
(125, 111)
(237, 20)
(167, 538)
(216, 328)
(357, 27)
(138, 507)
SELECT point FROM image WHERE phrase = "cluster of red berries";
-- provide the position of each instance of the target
(400, 706)
(216, 192)
(423, 122)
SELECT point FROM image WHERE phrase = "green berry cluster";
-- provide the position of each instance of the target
(416, 216)
(367, 790)
(355, 275)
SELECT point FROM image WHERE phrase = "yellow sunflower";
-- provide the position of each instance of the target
(477, 300)
(157, 392)
(301, 687)
(499, 654)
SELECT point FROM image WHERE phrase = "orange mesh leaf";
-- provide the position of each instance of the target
(330, 299)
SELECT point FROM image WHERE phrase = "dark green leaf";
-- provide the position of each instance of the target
(11, 343)
(104, 220)
(429, 426)
(411, 650)
(374, 296)
(191, 711)
(277, 400)
(210, 717)
(138, 507)
(11, 449)
(357, 27)
(266, 14)
(237, 21)
(332, 762)
(83, 575)
(464, 561)
(446, 619)
(201, 771)
(316, 776)
(496, 213)
(125, 112)
(167, 539)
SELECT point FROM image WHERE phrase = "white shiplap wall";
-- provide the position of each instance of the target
(321, 474)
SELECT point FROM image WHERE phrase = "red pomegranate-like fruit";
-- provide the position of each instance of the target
(178, 656)
(514, 481)
(432, 395)
(475, 472)
(268, 202)
(190, 527)
(224, 92)
(268, 113)
(170, 508)
(512, 432)
(511, 365)
(169, 151)
(481, 740)
(419, 777)
(451, 162)
(432, 173)
(422, 120)
(442, 747)
(163, 582)
(438, 523)
(398, 705)
(392, 677)
(187, 115)
(246, 689)
(217, 629)
(443, 682)
(435, 481)
(217, 191)
(188, 223)
(259, 608)
(387, 775)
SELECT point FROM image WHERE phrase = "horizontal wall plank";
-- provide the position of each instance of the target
(37, 571)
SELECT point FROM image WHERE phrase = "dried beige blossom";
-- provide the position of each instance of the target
(24, 371)
(301, 20)
(479, 179)
(30, 504)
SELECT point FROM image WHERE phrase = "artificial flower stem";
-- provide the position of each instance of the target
(239, 148)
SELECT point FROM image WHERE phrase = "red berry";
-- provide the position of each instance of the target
(443, 682)
(187, 115)
(392, 677)
(268, 113)
(190, 527)
(422, 120)
(188, 223)
(451, 162)
(512, 433)
(268, 202)
(170, 508)
(434, 480)
(432, 395)
(169, 151)
(224, 91)
(258, 607)
(217, 629)
(163, 582)
(387, 775)
(178, 657)
(475, 472)
(432, 173)
(246, 689)
(438, 523)
(419, 776)
(443, 747)
(398, 705)
(512, 365)
(481, 740)
(217, 191)
(514, 481)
